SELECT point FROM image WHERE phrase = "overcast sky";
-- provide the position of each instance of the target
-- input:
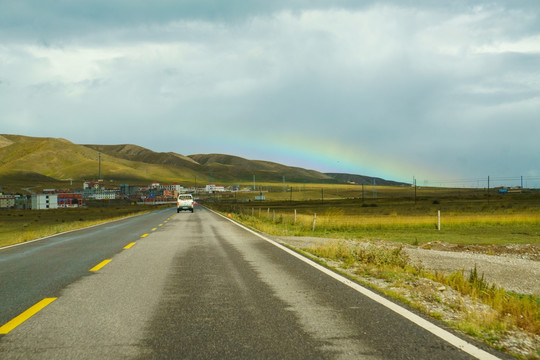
(396, 89)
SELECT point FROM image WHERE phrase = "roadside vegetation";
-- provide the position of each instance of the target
(17, 226)
(483, 310)
(505, 311)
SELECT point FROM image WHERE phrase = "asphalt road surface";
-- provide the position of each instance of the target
(197, 287)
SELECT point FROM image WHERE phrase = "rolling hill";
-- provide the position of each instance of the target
(26, 160)
(364, 180)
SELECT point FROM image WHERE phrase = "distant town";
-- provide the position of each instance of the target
(95, 190)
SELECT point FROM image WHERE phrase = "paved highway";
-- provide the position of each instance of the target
(197, 287)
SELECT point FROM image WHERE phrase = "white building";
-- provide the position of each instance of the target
(103, 195)
(211, 188)
(44, 201)
(172, 187)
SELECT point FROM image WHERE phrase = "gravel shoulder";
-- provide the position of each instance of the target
(511, 273)
(514, 267)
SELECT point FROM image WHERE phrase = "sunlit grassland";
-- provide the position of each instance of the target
(466, 217)
(18, 226)
(460, 229)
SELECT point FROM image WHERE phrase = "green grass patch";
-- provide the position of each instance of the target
(17, 226)
(504, 220)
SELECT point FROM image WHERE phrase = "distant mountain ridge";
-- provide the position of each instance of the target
(364, 180)
(26, 157)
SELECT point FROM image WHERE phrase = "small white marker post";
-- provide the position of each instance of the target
(439, 220)
(294, 216)
(314, 221)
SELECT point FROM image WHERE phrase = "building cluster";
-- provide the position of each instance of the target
(95, 190)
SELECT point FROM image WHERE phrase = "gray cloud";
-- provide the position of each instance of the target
(445, 88)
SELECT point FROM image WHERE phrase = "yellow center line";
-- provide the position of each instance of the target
(154, 229)
(144, 235)
(129, 245)
(165, 221)
(100, 265)
(160, 224)
(25, 315)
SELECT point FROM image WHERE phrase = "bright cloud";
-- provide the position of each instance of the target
(428, 89)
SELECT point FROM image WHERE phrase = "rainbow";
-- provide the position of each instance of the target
(327, 155)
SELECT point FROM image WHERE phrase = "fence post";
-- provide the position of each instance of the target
(268, 213)
(314, 221)
(274, 215)
(439, 220)
(294, 216)
(252, 212)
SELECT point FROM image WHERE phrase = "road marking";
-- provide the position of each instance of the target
(154, 229)
(420, 321)
(25, 315)
(160, 224)
(129, 245)
(100, 265)
(166, 221)
(144, 235)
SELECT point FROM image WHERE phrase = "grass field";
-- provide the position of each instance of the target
(467, 217)
(18, 226)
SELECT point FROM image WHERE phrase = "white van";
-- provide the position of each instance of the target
(184, 202)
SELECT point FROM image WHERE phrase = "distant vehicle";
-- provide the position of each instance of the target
(184, 202)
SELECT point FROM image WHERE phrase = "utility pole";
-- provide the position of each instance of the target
(99, 161)
(488, 190)
(254, 182)
(414, 191)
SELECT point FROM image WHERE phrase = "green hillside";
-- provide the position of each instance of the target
(60, 159)
(28, 160)
(237, 168)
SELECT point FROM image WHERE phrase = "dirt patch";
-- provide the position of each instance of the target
(520, 251)
(513, 267)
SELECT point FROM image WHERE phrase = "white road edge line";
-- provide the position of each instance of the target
(423, 323)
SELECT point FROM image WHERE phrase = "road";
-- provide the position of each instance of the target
(197, 287)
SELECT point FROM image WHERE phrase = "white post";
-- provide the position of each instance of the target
(439, 220)
(314, 221)
(274, 215)
(294, 216)
(268, 213)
